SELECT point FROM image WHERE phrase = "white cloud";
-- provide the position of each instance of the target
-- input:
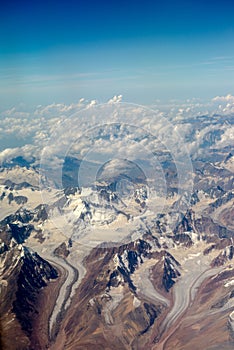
(149, 130)
(227, 138)
(92, 103)
(27, 151)
(225, 104)
(227, 98)
(115, 99)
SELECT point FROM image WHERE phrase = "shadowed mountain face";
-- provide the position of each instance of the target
(24, 276)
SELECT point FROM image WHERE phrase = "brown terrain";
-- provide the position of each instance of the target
(170, 289)
(129, 327)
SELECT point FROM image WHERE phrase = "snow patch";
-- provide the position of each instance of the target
(136, 302)
(229, 283)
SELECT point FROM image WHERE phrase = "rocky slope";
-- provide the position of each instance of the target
(24, 274)
(80, 268)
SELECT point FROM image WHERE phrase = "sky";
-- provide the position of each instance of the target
(61, 51)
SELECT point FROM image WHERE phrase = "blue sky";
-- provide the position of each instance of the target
(60, 51)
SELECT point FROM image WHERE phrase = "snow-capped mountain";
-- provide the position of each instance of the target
(97, 257)
(128, 249)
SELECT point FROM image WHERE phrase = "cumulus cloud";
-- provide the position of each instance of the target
(78, 128)
(92, 103)
(115, 99)
(224, 104)
(29, 152)
(227, 138)
(227, 98)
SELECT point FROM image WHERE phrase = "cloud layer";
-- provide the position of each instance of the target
(192, 120)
